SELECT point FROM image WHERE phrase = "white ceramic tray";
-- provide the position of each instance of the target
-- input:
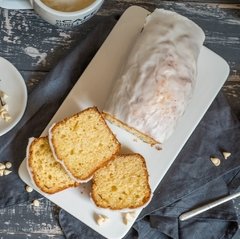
(12, 83)
(93, 89)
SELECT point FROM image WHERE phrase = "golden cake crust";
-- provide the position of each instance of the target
(110, 187)
(95, 128)
(35, 173)
(144, 137)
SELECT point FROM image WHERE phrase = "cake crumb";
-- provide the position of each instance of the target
(100, 219)
(158, 147)
(216, 161)
(28, 189)
(226, 155)
(36, 203)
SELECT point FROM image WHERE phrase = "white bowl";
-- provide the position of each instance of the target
(65, 19)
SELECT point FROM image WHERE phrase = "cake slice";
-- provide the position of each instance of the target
(143, 136)
(83, 143)
(122, 183)
(46, 173)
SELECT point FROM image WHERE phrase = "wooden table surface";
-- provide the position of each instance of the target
(34, 47)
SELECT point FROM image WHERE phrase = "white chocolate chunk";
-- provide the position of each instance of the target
(4, 107)
(226, 154)
(2, 166)
(1, 172)
(216, 161)
(2, 113)
(8, 165)
(128, 217)
(3, 95)
(7, 117)
(28, 189)
(100, 219)
(6, 172)
(36, 203)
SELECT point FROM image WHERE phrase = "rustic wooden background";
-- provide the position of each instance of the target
(35, 46)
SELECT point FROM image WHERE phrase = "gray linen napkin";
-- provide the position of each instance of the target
(43, 102)
(191, 181)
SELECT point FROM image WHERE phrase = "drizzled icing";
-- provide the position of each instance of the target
(158, 78)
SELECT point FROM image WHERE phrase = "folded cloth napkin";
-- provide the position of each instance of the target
(43, 102)
(191, 181)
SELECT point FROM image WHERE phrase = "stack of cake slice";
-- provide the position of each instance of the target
(82, 147)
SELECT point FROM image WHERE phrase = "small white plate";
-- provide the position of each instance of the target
(94, 87)
(12, 83)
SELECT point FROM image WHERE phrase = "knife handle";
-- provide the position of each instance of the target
(194, 212)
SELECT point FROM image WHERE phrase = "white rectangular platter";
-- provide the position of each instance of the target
(93, 88)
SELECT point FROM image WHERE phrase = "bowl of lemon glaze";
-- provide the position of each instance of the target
(66, 13)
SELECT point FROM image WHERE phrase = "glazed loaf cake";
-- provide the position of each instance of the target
(158, 79)
(47, 174)
(83, 143)
(122, 183)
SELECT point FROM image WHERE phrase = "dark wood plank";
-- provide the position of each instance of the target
(211, 1)
(26, 221)
(32, 44)
(232, 91)
(27, 37)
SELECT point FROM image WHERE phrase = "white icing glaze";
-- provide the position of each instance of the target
(158, 78)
